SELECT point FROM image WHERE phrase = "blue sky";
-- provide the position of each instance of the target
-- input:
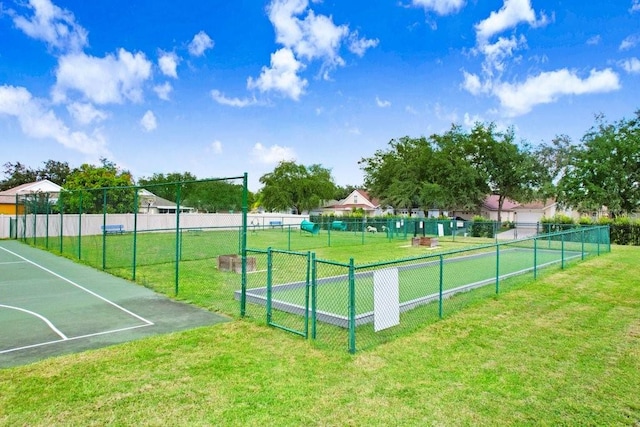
(219, 88)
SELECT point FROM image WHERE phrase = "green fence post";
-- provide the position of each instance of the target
(177, 269)
(441, 286)
(269, 283)
(562, 251)
(46, 235)
(79, 228)
(104, 228)
(61, 225)
(306, 296)
(582, 241)
(289, 239)
(136, 205)
(497, 268)
(352, 307)
(243, 243)
(535, 258)
(314, 294)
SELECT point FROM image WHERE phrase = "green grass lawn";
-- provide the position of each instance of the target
(562, 350)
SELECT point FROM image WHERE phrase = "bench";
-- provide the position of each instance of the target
(274, 224)
(112, 228)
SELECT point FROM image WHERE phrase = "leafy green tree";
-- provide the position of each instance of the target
(165, 185)
(17, 174)
(395, 175)
(55, 171)
(432, 173)
(605, 170)
(509, 170)
(87, 188)
(293, 186)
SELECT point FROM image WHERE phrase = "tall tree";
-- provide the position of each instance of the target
(165, 186)
(55, 171)
(605, 170)
(510, 170)
(87, 187)
(432, 173)
(17, 174)
(293, 186)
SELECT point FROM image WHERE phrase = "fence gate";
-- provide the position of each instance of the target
(288, 290)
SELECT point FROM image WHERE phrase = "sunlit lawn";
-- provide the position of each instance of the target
(562, 350)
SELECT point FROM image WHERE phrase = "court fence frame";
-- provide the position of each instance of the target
(333, 302)
(102, 226)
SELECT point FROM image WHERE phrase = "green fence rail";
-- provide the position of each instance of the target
(360, 305)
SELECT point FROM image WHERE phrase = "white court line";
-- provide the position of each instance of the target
(44, 319)
(74, 338)
(148, 322)
(12, 262)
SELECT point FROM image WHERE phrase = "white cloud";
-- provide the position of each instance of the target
(496, 53)
(102, 80)
(382, 103)
(306, 37)
(271, 155)
(148, 121)
(631, 65)
(37, 121)
(216, 147)
(442, 114)
(168, 63)
(511, 14)
(231, 102)
(441, 7)
(200, 43)
(472, 83)
(547, 87)
(629, 42)
(594, 40)
(163, 91)
(409, 109)
(282, 76)
(314, 37)
(55, 26)
(85, 114)
(635, 6)
(470, 121)
(359, 46)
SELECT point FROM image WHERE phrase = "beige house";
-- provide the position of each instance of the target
(152, 204)
(358, 199)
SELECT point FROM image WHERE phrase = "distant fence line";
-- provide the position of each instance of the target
(43, 225)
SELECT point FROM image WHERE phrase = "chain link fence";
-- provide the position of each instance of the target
(183, 239)
(357, 306)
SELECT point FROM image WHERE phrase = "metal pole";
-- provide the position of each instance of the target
(177, 269)
(135, 233)
(104, 229)
(352, 307)
(441, 287)
(243, 240)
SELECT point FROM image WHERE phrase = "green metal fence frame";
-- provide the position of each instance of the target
(601, 238)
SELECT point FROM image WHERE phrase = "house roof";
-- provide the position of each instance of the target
(491, 203)
(153, 201)
(343, 205)
(43, 186)
(537, 204)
